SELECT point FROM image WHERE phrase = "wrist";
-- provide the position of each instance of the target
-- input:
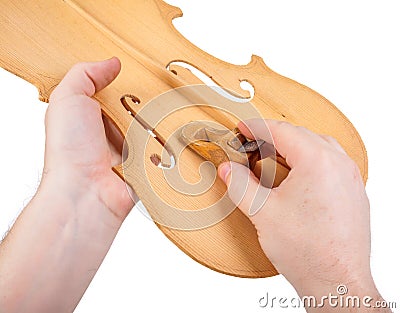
(67, 191)
(63, 236)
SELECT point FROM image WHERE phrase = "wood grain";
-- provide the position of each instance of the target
(40, 41)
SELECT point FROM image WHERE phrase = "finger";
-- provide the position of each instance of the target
(294, 143)
(87, 78)
(244, 189)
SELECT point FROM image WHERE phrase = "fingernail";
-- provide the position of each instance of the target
(224, 170)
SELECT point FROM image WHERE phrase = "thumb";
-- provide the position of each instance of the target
(244, 189)
(87, 79)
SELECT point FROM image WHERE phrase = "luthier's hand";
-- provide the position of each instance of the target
(315, 226)
(58, 242)
(76, 145)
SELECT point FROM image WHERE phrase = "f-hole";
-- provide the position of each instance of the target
(209, 81)
(128, 101)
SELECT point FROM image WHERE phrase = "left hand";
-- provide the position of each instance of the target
(58, 242)
(77, 149)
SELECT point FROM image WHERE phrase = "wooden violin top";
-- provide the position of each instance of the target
(41, 40)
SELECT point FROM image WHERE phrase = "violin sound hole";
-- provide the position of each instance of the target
(245, 85)
(128, 101)
(208, 80)
(156, 160)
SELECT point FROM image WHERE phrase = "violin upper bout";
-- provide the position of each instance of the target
(168, 11)
(257, 65)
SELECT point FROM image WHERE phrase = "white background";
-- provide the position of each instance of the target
(346, 50)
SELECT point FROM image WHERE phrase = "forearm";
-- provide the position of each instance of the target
(53, 251)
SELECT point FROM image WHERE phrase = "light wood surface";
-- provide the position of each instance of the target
(40, 40)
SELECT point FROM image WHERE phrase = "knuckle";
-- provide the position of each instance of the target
(330, 159)
(281, 125)
(323, 157)
(303, 129)
(79, 66)
(333, 139)
(353, 167)
(329, 138)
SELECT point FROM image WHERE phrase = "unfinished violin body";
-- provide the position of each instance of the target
(41, 40)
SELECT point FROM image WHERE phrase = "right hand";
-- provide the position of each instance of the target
(314, 226)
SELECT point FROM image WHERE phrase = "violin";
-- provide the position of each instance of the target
(171, 121)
